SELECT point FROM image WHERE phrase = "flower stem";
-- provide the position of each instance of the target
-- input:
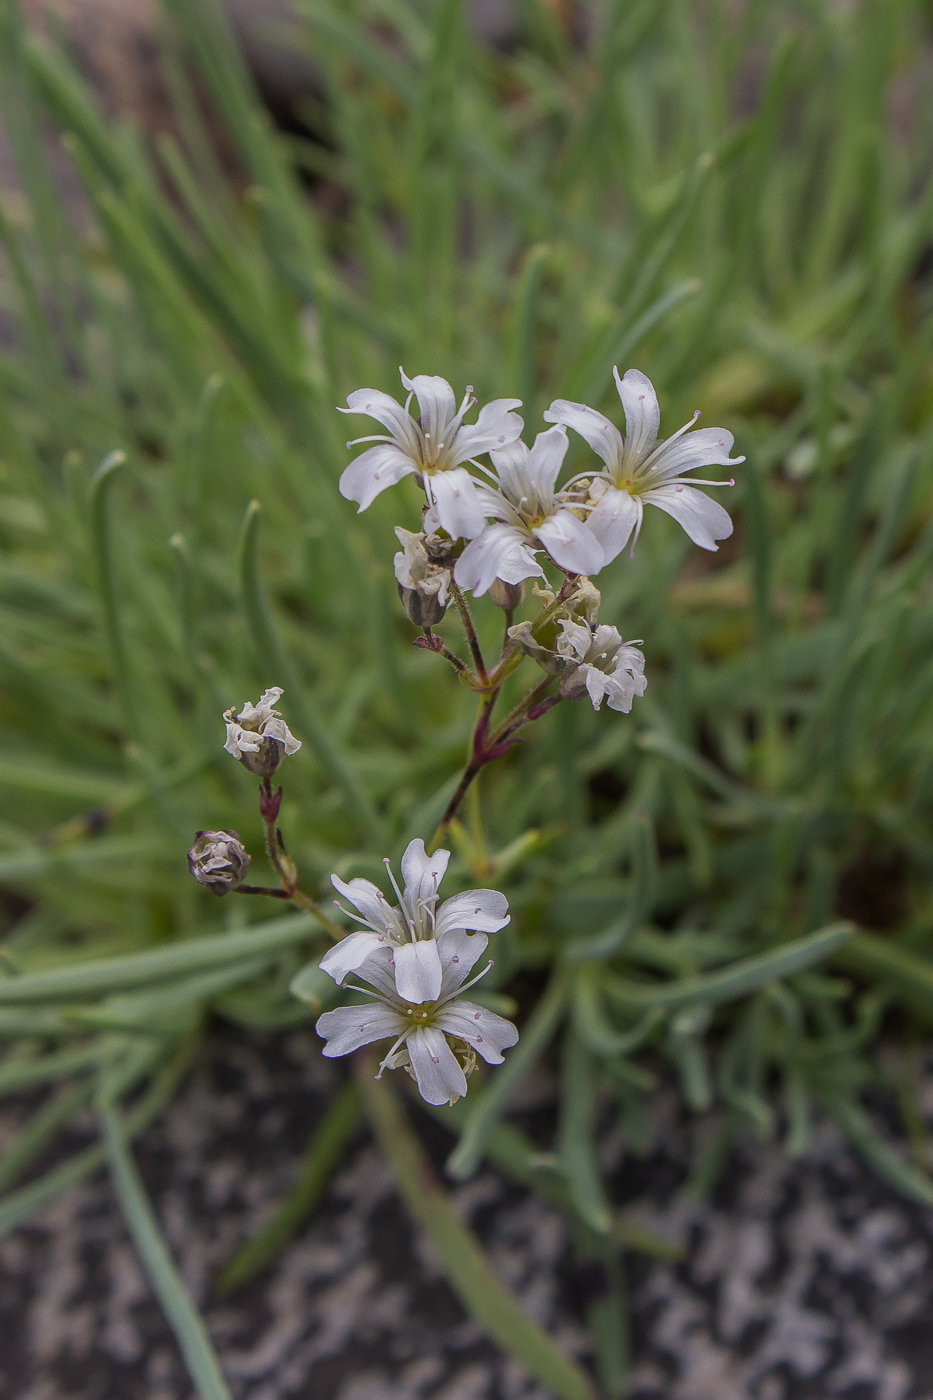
(469, 774)
(485, 747)
(269, 803)
(508, 724)
(470, 630)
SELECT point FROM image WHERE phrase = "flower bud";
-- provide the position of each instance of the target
(423, 607)
(218, 860)
(258, 736)
(506, 596)
(423, 583)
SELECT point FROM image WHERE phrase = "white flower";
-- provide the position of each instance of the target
(530, 516)
(639, 468)
(432, 448)
(412, 930)
(602, 663)
(258, 736)
(420, 1031)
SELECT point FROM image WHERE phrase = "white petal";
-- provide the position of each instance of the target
(510, 463)
(370, 901)
(422, 873)
(437, 405)
(418, 972)
(570, 544)
(603, 436)
(612, 522)
(487, 1033)
(437, 1072)
(373, 472)
(623, 688)
(349, 1027)
(597, 684)
(460, 951)
(379, 971)
(349, 954)
(532, 472)
(486, 910)
(394, 416)
(501, 551)
(703, 519)
(457, 503)
(278, 729)
(703, 447)
(495, 427)
(575, 640)
(606, 638)
(642, 415)
(234, 743)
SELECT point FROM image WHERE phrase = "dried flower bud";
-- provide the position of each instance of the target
(218, 860)
(258, 736)
(423, 584)
(441, 549)
(506, 596)
(584, 602)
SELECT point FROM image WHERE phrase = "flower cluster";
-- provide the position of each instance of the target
(485, 534)
(417, 958)
(489, 533)
(516, 510)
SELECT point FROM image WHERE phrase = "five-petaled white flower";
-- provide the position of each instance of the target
(258, 736)
(412, 931)
(432, 447)
(420, 1030)
(639, 468)
(602, 663)
(529, 516)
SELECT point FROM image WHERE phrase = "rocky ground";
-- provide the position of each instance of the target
(801, 1280)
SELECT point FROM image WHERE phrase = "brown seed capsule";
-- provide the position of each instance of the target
(218, 860)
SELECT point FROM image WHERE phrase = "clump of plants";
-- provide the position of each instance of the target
(721, 878)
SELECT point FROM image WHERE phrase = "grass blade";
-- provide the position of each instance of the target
(159, 1267)
(138, 969)
(742, 977)
(465, 1265)
(280, 671)
(19, 1205)
(488, 1105)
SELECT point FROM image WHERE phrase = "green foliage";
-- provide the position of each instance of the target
(740, 203)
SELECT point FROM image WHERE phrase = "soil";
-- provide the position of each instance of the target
(802, 1279)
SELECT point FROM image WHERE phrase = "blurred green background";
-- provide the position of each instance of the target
(737, 199)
